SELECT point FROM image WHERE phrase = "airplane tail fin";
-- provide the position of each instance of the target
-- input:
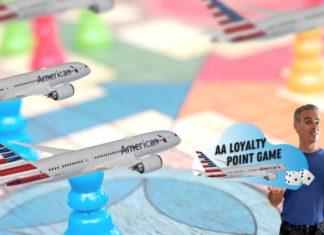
(233, 26)
(6, 13)
(16, 169)
(210, 168)
(9, 156)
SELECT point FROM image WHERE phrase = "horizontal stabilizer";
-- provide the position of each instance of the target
(43, 148)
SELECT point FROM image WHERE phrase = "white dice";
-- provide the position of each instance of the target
(292, 178)
(306, 176)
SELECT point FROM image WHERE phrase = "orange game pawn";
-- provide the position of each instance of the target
(307, 72)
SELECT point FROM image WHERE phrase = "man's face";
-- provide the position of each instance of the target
(308, 126)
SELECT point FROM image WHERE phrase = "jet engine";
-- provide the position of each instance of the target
(149, 164)
(101, 6)
(271, 176)
(62, 92)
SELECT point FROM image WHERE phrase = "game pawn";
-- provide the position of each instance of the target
(12, 124)
(47, 51)
(87, 199)
(307, 70)
(92, 33)
(17, 37)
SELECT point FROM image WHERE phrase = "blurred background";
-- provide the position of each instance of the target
(154, 67)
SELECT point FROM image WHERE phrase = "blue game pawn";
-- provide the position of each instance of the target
(12, 124)
(87, 199)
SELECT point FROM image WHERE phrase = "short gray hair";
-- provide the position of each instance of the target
(299, 110)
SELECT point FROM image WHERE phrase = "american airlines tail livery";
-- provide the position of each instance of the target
(53, 82)
(137, 153)
(267, 171)
(233, 27)
(21, 9)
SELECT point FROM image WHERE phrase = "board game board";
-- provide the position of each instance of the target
(161, 72)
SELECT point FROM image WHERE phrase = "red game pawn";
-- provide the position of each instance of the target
(47, 51)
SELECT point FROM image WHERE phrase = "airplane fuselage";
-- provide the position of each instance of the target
(41, 82)
(301, 20)
(19, 10)
(234, 27)
(122, 153)
(253, 170)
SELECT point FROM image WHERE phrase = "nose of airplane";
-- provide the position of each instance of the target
(170, 137)
(178, 139)
(81, 68)
(174, 138)
(85, 69)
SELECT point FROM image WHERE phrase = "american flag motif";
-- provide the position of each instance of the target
(7, 155)
(6, 13)
(12, 164)
(235, 27)
(210, 168)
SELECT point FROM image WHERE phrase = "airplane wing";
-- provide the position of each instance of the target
(43, 148)
(249, 174)
(129, 163)
(43, 89)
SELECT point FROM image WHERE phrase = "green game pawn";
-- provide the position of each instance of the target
(92, 33)
(17, 37)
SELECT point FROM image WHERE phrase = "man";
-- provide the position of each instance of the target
(303, 209)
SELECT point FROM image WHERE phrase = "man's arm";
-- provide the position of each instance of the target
(276, 195)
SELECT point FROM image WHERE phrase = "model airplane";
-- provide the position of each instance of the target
(267, 171)
(236, 28)
(19, 10)
(137, 153)
(53, 82)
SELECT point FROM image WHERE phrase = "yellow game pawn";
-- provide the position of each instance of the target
(307, 72)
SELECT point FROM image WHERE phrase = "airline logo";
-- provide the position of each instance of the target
(269, 168)
(57, 74)
(143, 145)
(211, 169)
(139, 146)
(234, 25)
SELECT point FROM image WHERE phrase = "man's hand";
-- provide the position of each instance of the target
(275, 195)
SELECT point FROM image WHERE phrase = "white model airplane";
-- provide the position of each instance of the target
(137, 153)
(53, 82)
(234, 27)
(267, 171)
(19, 10)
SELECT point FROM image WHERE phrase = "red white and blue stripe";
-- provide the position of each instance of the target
(8, 155)
(210, 168)
(19, 170)
(6, 14)
(235, 27)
